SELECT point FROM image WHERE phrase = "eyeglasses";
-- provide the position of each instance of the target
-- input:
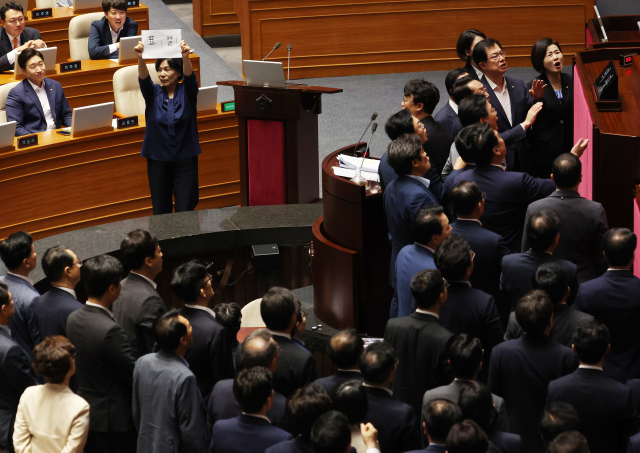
(496, 56)
(446, 283)
(19, 20)
(473, 255)
(207, 279)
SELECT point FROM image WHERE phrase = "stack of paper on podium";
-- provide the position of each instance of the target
(348, 164)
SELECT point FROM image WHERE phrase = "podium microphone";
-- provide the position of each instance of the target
(374, 127)
(288, 60)
(274, 48)
(373, 117)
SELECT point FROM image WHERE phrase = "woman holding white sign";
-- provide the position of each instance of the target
(171, 143)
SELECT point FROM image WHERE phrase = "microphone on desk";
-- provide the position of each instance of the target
(374, 127)
(274, 48)
(288, 61)
(373, 117)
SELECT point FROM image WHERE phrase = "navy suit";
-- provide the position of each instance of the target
(634, 385)
(432, 449)
(614, 299)
(506, 442)
(411, 260)
(23, 294)
(471, 71)
(438, 143)
(6, 45)
(508, 194)
(605, 408)
(296, 445)
(330, 382)
(445, 117)
(245, 434)
(296, 367)
(24, 107)
(50, 313)
(100, 37)
(634, 444)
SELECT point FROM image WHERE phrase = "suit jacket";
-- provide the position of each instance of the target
(519, 372)
(104, 368)
(634, 385)
(15, 377)
(432, 449)
(614, 299)
(445, 117)
(508, 194)
(419, 336)
(605, 408)
(168, 411)
(411, 260)
(296, 445)
(506, 442)
(6, 46)
(471, 71)
(395, 421)
(296, 367)
(23, 294)
(50, 313)
(245, 434)
(634, 444)
(209, 356)
(518, 270)
(330, 382)
(100, 37)
(438, 142)
(138, 305)
(24, 107)
(583, 224)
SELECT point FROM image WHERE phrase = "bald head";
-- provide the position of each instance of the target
(345, 348)
(259, 349)
(439, 416)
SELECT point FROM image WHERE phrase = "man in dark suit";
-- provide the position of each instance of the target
(462, 89)
(296, 367)
(104, 363)
(209, 356)
(613, 299)
(421, 341)
(583, 222)
(521, 369)
(430, 227)
(605, 407)
(438, 416)
(104, 38)
(250, 432)
(331, 433)
(168, 411)
(37, 104)
(345, 349)
(396, 422)
(518, 269)
(552, 279)
(447, 114)
(15, 371)
(14, 36)
(139, 303)
(20, 258)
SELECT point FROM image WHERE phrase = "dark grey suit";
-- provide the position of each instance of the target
(6, 46)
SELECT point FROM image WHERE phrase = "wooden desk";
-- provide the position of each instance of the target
(215, 17)
(55, 30)
(66, 183)
(619, 29)
(94, 84)
(337, 38)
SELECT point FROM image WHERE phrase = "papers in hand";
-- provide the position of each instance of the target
(351, 162)
(161, 44)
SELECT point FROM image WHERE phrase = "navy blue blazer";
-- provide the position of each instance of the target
(297, 445)
(330, 382)
(508, 194)
(445, 117)
(411, 260)
(471, 71)
(605, 407)
(50, 313)
(24, 107)
(6, 45)
(634, 385)
(438, 142)
(520, 371)
(432, 449)
(506, 442)
(613, 299)
(158, 142)
(23, 294)
(100, 37)
(388, 174)
(634, 444)
(245, 434)
(296, 367)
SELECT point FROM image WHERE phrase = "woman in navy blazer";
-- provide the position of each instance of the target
(171, 143)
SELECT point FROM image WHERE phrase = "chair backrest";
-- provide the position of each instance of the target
(126, 89)
(79, 29)
(45, 3)
(251, 316)
(4, 92)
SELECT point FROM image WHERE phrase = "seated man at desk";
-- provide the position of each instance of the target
(104, 39)
(37, 104)
(14, 36)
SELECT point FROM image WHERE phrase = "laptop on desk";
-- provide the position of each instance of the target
(264, 73)
(126, 48)
(207, 98)
(7, 134)
(96, 116)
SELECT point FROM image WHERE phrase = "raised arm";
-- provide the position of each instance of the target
(187, 69)
(143, 71)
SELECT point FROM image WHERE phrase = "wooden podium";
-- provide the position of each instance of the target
(351, 255)
(278, 141)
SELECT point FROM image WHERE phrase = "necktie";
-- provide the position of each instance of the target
(15, 43)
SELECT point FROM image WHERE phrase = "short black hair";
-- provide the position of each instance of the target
(439, 416)
(480, 50)
(120, 5)
(252, 388)
(472, 109)
(424, 92)
(567, 170)
(477, 140)
(258, 349)
(453, 257)
(54, 262)
(619, 245)
(426, 224)
(426, 287)
(542, 229)
(11, 5)
(451, 78)
(533, 312)
(569, 442)
(136, 247)
(345, 348)
(558, 418)
(465, 355)
(168, 330)
(467, 437)
(377, 362)
(402, 152)
(229, 316)
(331, 433)
(476, 403)
(591, 340)
(99, 273)
(187, 281)
(15, 249)
(399, 123)
(26, 55)
(464, 42)
(277, 308)
(174, 63)
(4, 294)
(461, 89)
(465, 197)
(553, 280)
(539, 51)
(303, 408)
(350, 398)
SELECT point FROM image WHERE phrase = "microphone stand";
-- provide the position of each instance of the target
(288, 62)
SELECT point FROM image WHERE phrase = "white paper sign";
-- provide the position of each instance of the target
(161, 44)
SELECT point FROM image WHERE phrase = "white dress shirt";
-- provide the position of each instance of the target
(502, 93)
(27, 279)
(591, 367)
(454, 106)
(44, 102)
(424, 181)
(11, 56)
(154, 284)
(200, 307)
(425, 312)
(69, 290)
(109, 312)
(479, 73)
(114, 39)
(280, 334)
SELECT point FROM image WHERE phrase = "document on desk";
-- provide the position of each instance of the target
(348, 173)
(161, 44)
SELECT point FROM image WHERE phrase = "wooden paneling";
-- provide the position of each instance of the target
(215, 17)
(337, 38)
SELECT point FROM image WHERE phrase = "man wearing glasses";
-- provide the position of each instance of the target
(15, 37)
